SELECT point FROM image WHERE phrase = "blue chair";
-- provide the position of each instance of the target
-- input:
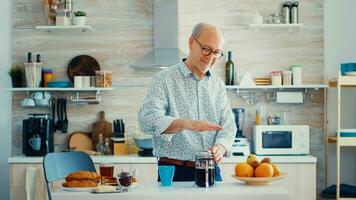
(57, 166)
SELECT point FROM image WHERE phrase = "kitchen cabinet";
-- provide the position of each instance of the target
(344, 137)
(300, 183)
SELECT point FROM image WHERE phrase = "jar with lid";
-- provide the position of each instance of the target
(99, 78)
(204, 169)
(286, 11)
(287, 78)
(297, 74)
(107, 78)
(276, 77)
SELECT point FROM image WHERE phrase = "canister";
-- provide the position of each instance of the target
(297, 74)
(287, 78)
(276, 77)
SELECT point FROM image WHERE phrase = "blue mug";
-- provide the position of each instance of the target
(166, 174)
(35, 142)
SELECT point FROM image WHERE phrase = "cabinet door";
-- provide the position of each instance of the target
(300, 182)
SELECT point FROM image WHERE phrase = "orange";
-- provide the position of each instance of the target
(244, 170)
(277, 171)
(264, 170)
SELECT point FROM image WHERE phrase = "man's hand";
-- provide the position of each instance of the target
(218, 152)
(200, 126)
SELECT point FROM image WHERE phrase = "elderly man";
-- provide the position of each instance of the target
(187, 111)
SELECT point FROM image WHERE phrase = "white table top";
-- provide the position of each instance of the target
(134, 158)
(185, 191)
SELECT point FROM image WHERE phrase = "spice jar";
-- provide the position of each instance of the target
(276, 77)
(99, 78)
(287, 78)
(107, 79)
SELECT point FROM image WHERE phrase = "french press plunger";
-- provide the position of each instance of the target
(204, 169)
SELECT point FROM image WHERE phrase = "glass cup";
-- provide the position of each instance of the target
(166, 174)
(106, 169)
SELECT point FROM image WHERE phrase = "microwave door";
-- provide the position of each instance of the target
(277, 141)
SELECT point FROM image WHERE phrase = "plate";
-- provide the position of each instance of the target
(78, 189)
(82, 65)
(259, 180)
(351, 73)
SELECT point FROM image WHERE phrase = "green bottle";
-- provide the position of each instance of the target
(230, 70)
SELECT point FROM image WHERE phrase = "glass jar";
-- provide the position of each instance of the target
(287, 78)
(107, 78)
(204, 169)
(297, 74)
(99, 78)
(276, 78)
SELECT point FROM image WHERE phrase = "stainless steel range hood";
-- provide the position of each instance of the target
(166, 37)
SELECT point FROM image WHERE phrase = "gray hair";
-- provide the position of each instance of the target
(199, 28)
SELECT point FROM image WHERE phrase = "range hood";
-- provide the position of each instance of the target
(166, 37)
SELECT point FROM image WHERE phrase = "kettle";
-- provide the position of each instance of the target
(204, 169)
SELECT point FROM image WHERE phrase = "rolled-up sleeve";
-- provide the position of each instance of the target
(226, 137)
(152, 116)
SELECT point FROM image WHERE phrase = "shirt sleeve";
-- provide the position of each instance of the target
(226, 137)
(152, 115)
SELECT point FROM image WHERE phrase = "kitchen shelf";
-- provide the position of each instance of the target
(345, 81)
(275, 26)
(58, 89)
(344, 137)
(281, 87)
(56, 28)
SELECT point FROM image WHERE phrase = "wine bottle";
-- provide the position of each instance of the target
(230, 70)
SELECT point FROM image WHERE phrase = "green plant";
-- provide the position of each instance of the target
(80, 14)
(16, 71)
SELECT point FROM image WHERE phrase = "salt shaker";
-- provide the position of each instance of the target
(286, 12)
(294, 12)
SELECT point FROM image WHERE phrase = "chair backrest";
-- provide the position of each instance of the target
(57, 166)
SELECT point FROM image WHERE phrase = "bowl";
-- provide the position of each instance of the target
(259, 180)
(144, 143)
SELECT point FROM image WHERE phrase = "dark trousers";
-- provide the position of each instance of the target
(182, 173)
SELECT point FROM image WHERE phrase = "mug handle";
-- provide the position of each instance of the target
(30, 142)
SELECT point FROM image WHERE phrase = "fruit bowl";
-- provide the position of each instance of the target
(259, 180)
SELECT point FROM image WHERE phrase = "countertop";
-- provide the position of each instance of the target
(134, 158)
(185, 190)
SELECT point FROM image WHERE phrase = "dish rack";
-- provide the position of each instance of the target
(86, 100)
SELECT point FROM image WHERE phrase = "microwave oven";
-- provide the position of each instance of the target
(280, 139)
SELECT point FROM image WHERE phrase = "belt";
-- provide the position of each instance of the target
(177, 162)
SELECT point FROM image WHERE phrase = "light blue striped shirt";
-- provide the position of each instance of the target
(177, 94)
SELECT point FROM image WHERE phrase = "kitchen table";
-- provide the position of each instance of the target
(185, 191)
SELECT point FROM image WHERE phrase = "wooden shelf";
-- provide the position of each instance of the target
(311, 86)
(344, 141)
(57, 28)
(58, 89)
(345, 81)
(275, 26)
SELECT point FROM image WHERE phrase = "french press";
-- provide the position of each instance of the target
(204, 169)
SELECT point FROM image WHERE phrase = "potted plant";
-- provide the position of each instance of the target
(17, 74)
(79, 18)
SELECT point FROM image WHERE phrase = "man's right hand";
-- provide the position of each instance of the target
(194, 125)
(200, 126)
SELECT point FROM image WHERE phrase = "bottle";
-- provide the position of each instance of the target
(294, 12)
(286, 12)
(29, 57)
(230, 71)
(107, 150)
(100, 144)
(258, 117)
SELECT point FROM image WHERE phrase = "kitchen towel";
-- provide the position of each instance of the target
(289, 97)
(35, 187)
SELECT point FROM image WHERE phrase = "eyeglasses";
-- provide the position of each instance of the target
(207, 51)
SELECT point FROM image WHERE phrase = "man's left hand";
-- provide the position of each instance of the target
(218, 152)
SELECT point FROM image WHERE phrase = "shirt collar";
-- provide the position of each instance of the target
(186, 72)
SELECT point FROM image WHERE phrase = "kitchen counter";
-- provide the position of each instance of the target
(185, 190)
(134, 158)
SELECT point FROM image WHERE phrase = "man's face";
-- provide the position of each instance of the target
(205, 49)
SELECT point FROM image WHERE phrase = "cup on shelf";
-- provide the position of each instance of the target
(28, 102)
(86, 81)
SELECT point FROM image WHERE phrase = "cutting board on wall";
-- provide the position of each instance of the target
(101, 127)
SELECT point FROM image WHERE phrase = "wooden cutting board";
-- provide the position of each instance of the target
(79, 141)
(101, 127)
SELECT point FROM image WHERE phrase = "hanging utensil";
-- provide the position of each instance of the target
(65, 120)
(58, 123)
